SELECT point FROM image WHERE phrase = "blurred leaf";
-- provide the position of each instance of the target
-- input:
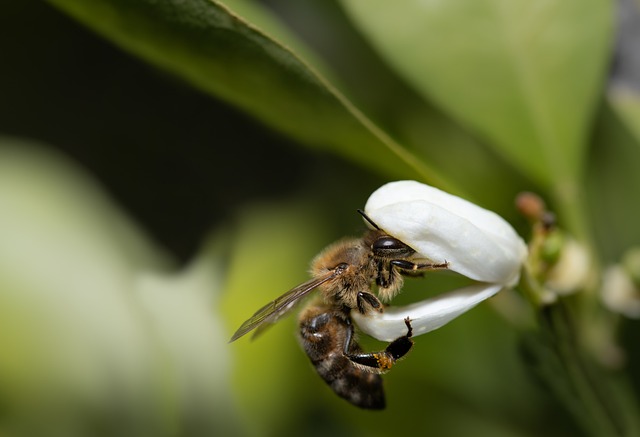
(194, 367)
(524, 74)
(258, 15)
(94, 342)
(393, 106)
(613, 180)
(219, 52)
(374, 87)
(624, 79)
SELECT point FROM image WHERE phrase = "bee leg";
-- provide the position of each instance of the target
(380, 362)
(367, 300)
(399, 347)
(413, 267)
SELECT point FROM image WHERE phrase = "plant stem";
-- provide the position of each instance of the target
(601, 405)
(599, 411)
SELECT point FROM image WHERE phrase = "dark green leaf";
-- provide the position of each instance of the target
(207, 44)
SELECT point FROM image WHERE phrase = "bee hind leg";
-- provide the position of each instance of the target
(381, 362)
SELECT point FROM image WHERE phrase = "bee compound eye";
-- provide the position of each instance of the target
(341, 267)
(388, 244)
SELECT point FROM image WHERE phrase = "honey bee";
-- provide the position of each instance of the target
(344, 273)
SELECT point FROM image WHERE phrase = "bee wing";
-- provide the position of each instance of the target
(274, 310)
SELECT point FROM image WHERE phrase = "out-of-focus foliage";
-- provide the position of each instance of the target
(98, 337)
(534, 69)
(106, 333)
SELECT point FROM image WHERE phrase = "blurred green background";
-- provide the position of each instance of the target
(141, 221)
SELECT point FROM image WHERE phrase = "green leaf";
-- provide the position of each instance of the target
(375, 88)
(523, 74)
(258, 15)
(214, 49)
(614, 180)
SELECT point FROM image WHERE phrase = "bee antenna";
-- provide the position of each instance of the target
(367, 218)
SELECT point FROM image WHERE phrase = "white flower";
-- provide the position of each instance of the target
(476, 243)
(440, 227)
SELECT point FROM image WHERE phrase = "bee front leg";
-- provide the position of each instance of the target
(381, 362)
(368, 301)
(418, 267)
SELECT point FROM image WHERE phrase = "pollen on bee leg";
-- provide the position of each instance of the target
(385, 362)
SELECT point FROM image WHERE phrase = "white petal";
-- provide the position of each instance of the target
(426, 316)
(476, 242)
